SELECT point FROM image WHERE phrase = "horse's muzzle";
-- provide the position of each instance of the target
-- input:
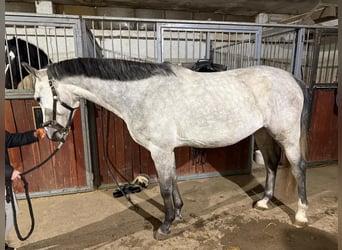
(57, 133)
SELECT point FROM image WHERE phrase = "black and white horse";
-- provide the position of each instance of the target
(18, 51)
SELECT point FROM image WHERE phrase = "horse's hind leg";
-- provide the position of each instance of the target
(298, 165)
(271, 153)
(166, 169)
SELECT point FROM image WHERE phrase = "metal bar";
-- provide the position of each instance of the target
(214, 46)
(80, 36)
(315, 58)
(27, 47)
(37, 42)
(9, 64)
(186, 46)
(138, 44)
(49, 193)
(178, 47)
(56, 19)
(200, 45)
(249, 49)
(320, 66)
(18, 51)
(235, 51)
(56, 43)
(112, 38)
(327, 64)
(258, 44)
(94, 38)
(242, 49)
(66, 43)
(129, 40)
(333, 66)
(103, 39)
(146, 41)
(159, 45)
(208, 45)
(228, 51)
(299, 53)
(11, 94)
(193, 45)
(47, 43)
(170, 47)
(121, 49)
(221, 50)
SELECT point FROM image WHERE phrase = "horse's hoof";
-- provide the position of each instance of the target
(179, 217)
(261, 205)
(159, 235)
(300, 224)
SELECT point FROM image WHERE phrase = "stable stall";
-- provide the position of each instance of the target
(100, 140)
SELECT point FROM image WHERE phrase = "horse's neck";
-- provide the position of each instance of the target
(110, 95)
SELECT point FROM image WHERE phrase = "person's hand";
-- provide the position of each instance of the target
(15, 175)
(40, 133)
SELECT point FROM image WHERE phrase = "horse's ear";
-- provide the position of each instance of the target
(30, 69)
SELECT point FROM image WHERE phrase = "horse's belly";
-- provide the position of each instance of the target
(217, 134)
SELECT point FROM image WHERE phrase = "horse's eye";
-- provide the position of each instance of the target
(38, 99)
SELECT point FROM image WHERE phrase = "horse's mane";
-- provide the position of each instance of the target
(107, 69)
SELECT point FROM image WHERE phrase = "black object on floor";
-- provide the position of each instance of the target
(127, 189)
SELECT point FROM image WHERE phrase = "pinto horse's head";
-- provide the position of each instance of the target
(57, 104)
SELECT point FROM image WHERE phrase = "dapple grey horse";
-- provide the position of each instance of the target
(167, 106)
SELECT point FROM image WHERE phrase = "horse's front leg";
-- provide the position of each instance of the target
(165, 165)
(177, 200)
(271, 153)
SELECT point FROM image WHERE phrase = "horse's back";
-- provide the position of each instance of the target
(234, 104)
(211, 109)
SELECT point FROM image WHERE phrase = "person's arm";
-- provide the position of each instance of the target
(15, 140)
(8, 172)
(20, 139)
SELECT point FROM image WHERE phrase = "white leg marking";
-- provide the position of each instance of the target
(301, 213)
(262, 204)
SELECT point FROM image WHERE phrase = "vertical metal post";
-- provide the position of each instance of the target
(258, 42)
(207, 46)
(160, 56)
(298, 53)
(86, 108)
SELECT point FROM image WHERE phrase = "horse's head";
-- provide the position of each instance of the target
(57, 104)
(11, 61)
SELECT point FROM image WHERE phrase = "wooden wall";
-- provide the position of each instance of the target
(322, 141)
(65, 170)
(127, 159)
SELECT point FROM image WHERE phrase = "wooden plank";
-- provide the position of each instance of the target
(100, 133)
(228, 159)
(322, 142)
(77, 170)
(136, 159)
(183, 162)
(128, 164)
(119, 148)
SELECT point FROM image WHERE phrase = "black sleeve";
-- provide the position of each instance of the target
(8, 172)
(19, 139)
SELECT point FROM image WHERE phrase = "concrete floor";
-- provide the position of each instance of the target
(217, 213)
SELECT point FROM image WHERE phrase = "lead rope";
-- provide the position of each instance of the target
(10, 196)
(105, 155)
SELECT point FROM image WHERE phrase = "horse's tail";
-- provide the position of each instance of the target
(305, 123)
(305, 117)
